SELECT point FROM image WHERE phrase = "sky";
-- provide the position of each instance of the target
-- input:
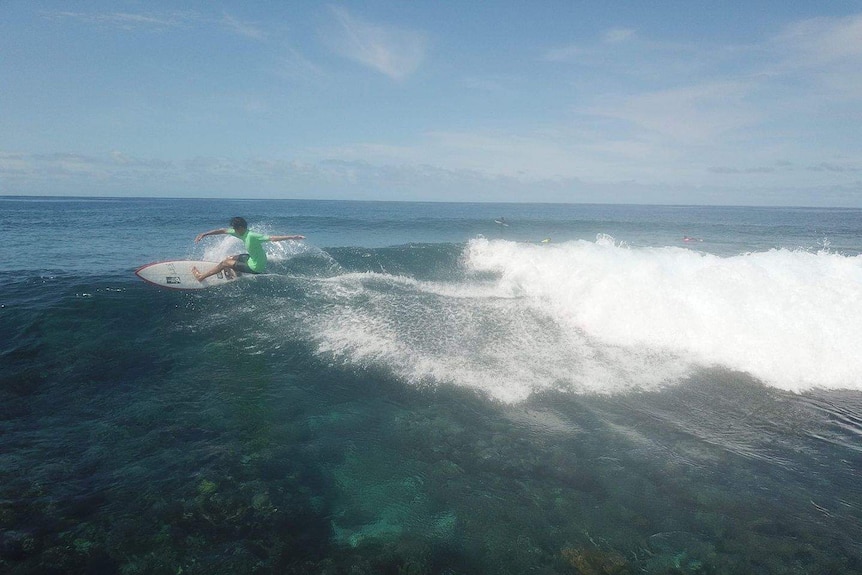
(664, 102)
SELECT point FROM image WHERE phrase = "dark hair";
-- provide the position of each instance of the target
(238, 223)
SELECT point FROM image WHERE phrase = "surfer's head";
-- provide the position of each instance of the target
(238, 223)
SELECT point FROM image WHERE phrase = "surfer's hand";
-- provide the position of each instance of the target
(199, 238)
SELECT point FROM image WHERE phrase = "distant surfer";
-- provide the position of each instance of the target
(691, 239)
(502, 221)
(253, 262)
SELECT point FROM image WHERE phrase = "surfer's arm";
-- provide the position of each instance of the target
(283, 238)
(210, 233)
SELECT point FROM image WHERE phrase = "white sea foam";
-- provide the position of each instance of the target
(790, 318)
(604, 318)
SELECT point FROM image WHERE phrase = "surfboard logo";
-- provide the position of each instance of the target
(172, 280)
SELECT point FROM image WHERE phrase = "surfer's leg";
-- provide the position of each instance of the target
(240, 265)
(225, 264)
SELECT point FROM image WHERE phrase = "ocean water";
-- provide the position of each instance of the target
(417, 389)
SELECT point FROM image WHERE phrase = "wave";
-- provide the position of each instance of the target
(512, 319)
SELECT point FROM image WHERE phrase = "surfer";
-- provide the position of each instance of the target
(253, 262)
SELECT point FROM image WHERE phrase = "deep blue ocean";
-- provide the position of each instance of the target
(417, 389)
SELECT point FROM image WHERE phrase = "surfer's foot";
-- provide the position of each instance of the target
(198, 275)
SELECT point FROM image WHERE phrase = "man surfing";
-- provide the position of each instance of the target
(253, 262)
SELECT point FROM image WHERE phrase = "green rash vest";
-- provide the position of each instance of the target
(254, 246)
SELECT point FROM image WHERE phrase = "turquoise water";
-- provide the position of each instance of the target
(416, 389)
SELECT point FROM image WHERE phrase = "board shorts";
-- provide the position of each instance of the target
(241, 264)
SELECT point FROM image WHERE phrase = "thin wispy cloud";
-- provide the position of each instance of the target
(833, 167)
(126, 20)
(752, 170)
(688, 114)
(395, 52)
(824, 54)
(734, 101)
(131, 21)
(246, 29)
(621, 54)
(617, 35)
(820, 41)
(578, 52)
(293, 65)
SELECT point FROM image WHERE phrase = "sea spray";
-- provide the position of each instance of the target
(221, 247)
(602, 317)
(790, 318)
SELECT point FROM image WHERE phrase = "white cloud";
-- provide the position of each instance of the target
(674, 111)
(293, 65)
(240, 28)
(160, 21)
(126, 20)
(591, 53)
(688, 114)
(621, 57)
(616, 35)
(822, 41)
(392, 51)
(824, 55)
(565, 53)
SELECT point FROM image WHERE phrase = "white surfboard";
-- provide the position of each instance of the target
(177, 274)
